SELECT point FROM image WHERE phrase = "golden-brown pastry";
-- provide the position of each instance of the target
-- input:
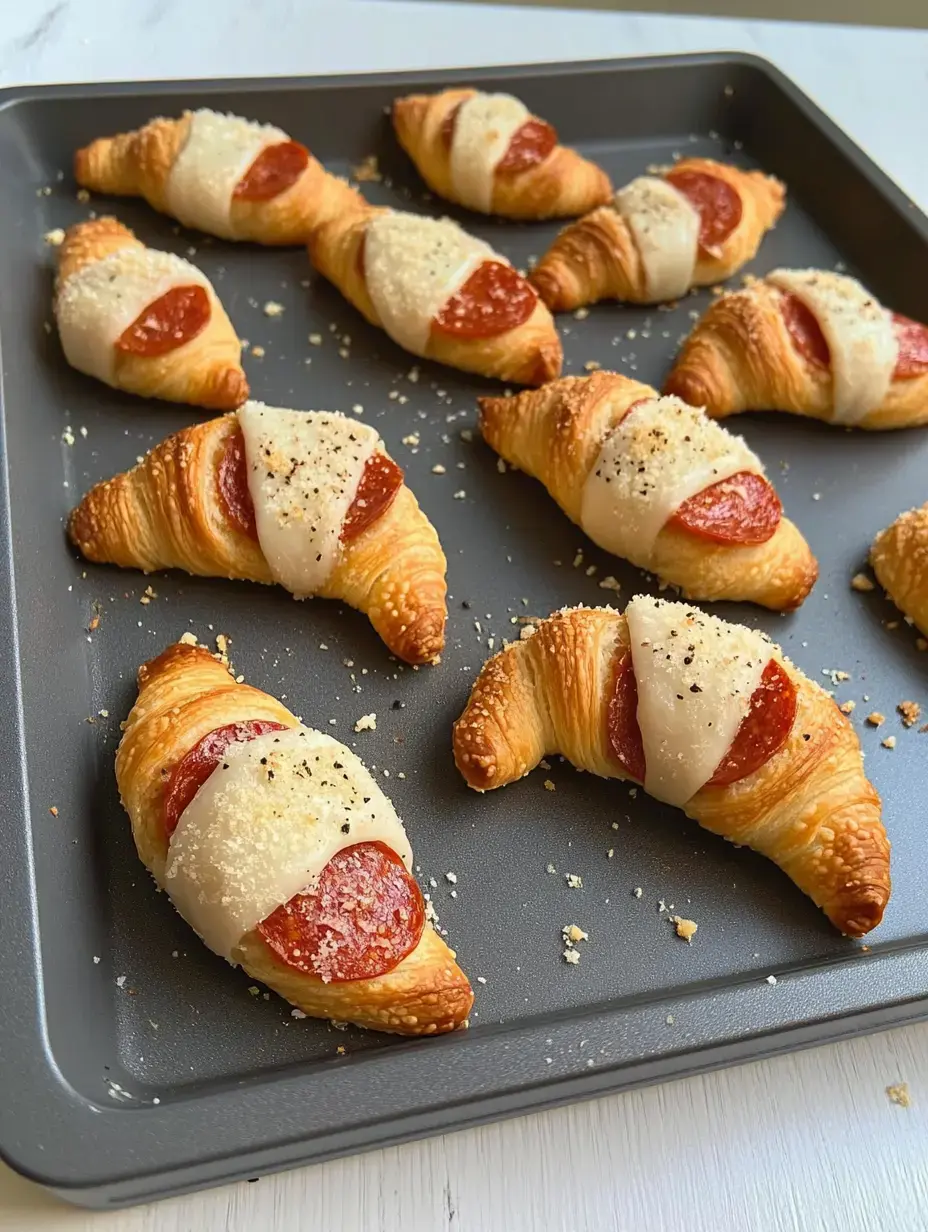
(696, 224)
(219, 173)
(708, 716)
(275, 843)
(653, 480)
(144, 321)
(489, 153)
(811, 342)
(900, 561)
(440, 293)
(310, 500)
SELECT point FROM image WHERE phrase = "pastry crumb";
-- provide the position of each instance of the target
(581, 314)
(273, 309)
(898, 1094)
(610, 583)
(438, 469)
(860, 581)
(550, 868)
(572, 956)
(910, 711)
(847, 707)
(412, 440)
(550, 785)
(54, 238)
(573, 881)
(54, 810)
(592, 365)
(315, 339)
(188, 639)
(875, 719)
(295, 1013)
(637, 891)
(573, 933)
(452, 878)
(771, 979)
(367, 722)
(685, 928)
(889, 742)
(367, 171)
(258, 352)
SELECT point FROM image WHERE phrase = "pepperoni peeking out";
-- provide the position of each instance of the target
(380, 481)
(530, 145)
(361, 920)
(912, 338)
(195, 767)
(172, 320)
(717, 203)
(448, 124)
(804, 330)
(763, 730)
(743, 509)
(277, 168)
(493, 300)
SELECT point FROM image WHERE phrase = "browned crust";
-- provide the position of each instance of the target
(900, 561)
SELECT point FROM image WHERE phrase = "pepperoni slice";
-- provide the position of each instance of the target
(622, 728)
(234, 492)
(361, 920)
(275, 170)
(530, 145)
(447, 125)
(195, 767)
(173, 319)
(717, 203)
(743, 509)
(763, 730)
(804, 330)
(381, 479)
(912, 338)
(493, 300)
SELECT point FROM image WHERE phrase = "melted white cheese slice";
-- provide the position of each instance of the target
(412, 266)
(696, 675)
(303, 472)
(218, 151)
(859, 333)
(99, 302)
(265, 824)
(483, 130)
(662, 453)
(665, 228)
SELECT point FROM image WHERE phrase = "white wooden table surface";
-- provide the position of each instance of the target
(808, 1142)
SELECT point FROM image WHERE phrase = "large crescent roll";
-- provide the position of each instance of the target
(277, 845)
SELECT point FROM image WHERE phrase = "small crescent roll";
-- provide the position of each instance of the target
(899, 557)
(696, 224)
(489, 153)
(144, 321)
(278, 847)
(710, 717)
(440, 293)
(810, 342)
(656, 482)
(309, 500)
(221, 174)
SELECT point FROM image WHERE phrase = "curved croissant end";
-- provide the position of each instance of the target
(810, 808)
(900, 561)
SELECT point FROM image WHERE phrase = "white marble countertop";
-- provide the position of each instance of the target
(809, 1141)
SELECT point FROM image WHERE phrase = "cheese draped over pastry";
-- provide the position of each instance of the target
(98, 302)
(263, 827)
(665, 228)
(658, 456)
(218, 151)
(412, 266)
(303, 468)
(483, 130)
(696, 675)
(859, 333)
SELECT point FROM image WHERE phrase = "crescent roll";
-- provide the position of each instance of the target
(440, 293)
(656, 482)
(811, 342)
(899, 557)
(218, 173)
(144, 321)
(710, 717)
(696, 224)
(278, 847)
(310, 500)
(489, 153)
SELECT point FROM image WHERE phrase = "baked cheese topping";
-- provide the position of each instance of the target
(483, 130)
(859, 333)
(665, 228)
(696, 675)
(98, 303)
(303, 472)
(218, 151)
(412, 266)
(265, 824)
(658, 456)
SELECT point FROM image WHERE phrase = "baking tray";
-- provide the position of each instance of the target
(118, 1090)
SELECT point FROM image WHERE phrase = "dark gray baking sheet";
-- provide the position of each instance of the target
(177, 1076)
